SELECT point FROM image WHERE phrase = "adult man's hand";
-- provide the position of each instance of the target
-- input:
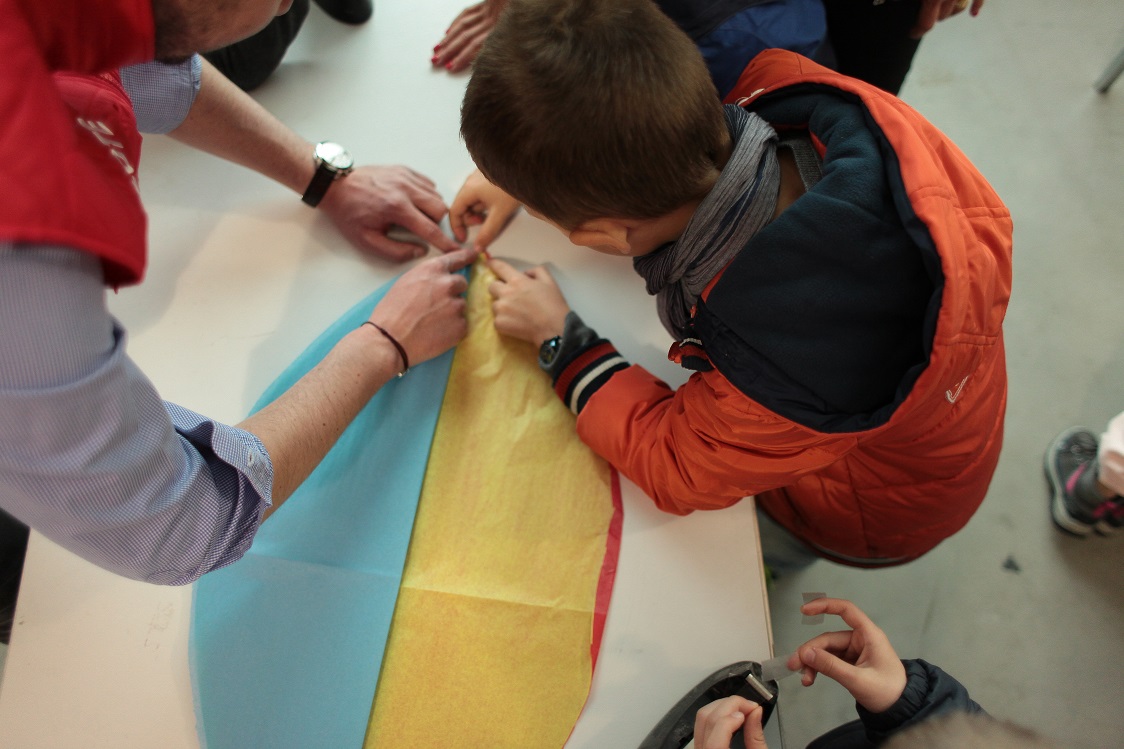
(371, 199)
(424, 309)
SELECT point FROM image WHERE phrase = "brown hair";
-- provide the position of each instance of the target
(586, 109)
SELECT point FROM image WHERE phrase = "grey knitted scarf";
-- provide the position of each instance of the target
(743, 200)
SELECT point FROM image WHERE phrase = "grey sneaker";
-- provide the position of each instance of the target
(1112, 519)
(1075, 508)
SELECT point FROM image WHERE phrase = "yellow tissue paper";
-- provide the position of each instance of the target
(510, 564)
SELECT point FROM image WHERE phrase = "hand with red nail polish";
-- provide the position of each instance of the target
(467, 34)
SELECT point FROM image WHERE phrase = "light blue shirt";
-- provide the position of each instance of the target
(90, 455)
(162, 94)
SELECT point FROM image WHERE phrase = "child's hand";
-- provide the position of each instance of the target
(862, 660)
(716, 724)
(528, 306)
(481, 202)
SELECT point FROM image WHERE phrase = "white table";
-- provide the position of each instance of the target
(242, 277)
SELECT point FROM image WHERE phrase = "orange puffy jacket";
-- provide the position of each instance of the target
(877, 494)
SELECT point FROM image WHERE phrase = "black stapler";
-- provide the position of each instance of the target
(744, 679)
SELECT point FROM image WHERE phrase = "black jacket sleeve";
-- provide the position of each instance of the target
(929, 691)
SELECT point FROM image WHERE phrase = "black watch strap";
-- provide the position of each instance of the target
(319, 185)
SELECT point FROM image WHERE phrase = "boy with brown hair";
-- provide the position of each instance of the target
(831, 266)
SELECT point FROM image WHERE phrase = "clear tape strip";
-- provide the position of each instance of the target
(817, 618)
(775, 669)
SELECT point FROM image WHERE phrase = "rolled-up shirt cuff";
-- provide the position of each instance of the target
(239, 449)
(162, 94)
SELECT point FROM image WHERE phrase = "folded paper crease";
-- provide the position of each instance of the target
(510, 566)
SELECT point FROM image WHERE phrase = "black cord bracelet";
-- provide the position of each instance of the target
(397, 345)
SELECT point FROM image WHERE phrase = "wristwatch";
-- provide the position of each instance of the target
(332, 162)
(548, 351)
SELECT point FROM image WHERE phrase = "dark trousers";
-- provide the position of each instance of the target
(249, 62)
(13, 546)
(871, 42)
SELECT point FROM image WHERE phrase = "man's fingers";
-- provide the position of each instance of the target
(458, 285)
(389, 249)
(428, 231)
(458, 259)
(424, 179)
(419, 180)
(425, 199)
(410, 177)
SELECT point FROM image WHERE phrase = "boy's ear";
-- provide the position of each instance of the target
(604, 234)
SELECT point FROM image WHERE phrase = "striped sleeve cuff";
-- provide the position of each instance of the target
(585, 362)
(586, 372)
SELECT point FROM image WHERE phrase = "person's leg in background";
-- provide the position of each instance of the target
(871, 40)
(1087, 479)
(782, 552)
(1111, 456)
(348, 11)
(13, 546)
(249, 62)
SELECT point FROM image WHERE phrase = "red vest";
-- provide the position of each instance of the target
(68, 141)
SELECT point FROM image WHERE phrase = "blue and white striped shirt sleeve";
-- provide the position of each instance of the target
(162, 93)
(90, 455)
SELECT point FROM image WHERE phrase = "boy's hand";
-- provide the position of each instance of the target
(862, 660)
(716, 724)
(481, 202)
(528, 306)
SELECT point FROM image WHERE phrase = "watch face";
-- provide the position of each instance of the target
(549, 351)
(334, 155)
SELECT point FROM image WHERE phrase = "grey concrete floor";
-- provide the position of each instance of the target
(1037, 639)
